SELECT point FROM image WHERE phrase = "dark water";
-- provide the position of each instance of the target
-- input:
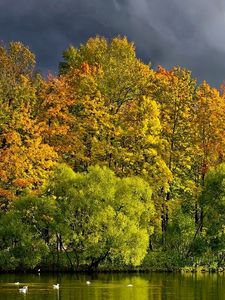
(155, 286)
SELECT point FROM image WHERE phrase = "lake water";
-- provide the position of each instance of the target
(156, 286)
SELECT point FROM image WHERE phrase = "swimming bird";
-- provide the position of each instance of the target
(16, 283)
(130, 285)
(24, 289)
(88, 282)
(56, 286)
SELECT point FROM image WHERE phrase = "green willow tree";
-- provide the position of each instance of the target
(21, 247)
(101, 217)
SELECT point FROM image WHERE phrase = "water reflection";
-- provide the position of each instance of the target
(164, 286)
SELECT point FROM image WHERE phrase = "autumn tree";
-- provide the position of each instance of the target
(209, 135)
(124, 78)
(175, 90)
(119, 121)
(24, 159)
(210, 115)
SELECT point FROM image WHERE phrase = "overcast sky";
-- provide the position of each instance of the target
(190, 33)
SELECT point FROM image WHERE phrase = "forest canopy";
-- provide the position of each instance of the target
(110, 164)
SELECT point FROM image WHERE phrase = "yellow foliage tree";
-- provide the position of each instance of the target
(25, 161)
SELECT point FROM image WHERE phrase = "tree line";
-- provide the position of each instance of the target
(110, 163)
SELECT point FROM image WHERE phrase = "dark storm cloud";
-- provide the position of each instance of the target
(168, 32)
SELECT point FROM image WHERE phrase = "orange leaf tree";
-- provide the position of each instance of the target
(24, 159)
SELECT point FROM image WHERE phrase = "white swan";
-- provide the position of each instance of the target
(56, 286)
(17, 283)
(88, 282)
(130, 285)
(24, 289)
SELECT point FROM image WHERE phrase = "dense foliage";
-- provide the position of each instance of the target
(110, 164)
